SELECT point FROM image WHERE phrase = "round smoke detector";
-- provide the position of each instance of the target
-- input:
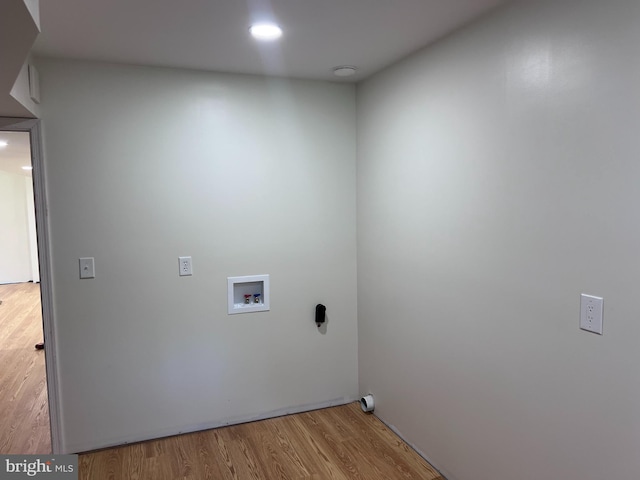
(344, 71)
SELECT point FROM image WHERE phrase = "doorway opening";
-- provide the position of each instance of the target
(24, 408)
(16, 433)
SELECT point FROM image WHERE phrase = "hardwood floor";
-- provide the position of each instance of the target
(339, 443)
(24, 411)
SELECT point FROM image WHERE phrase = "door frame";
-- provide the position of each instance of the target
(32, 126)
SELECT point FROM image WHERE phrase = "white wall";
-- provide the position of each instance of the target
(498, 178)
(21, 90)
(246, 175)
(15, 260)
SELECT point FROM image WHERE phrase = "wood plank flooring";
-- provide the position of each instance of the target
(339, 443)
(24, 411)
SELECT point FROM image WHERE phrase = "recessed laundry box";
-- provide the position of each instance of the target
(248, 294)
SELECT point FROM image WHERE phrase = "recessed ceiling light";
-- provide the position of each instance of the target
(3, 144)
(27, 167)
(266, 31)
(344, 71)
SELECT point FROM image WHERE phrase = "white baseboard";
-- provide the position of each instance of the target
(114, 442)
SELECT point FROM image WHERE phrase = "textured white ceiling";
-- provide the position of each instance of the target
(213, 34)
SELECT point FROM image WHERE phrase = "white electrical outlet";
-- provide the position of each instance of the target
(87, 267)
(184, 264)
(591, 312)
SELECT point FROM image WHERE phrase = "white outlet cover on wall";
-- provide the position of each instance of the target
(185, 268)
(591, 312)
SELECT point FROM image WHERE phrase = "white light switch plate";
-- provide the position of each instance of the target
(591, 312)
(87, 268)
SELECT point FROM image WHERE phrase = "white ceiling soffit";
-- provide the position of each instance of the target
(18, 30)
(213, 34)
(16, 154)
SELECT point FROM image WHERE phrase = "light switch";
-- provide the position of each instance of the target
(87, 268)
